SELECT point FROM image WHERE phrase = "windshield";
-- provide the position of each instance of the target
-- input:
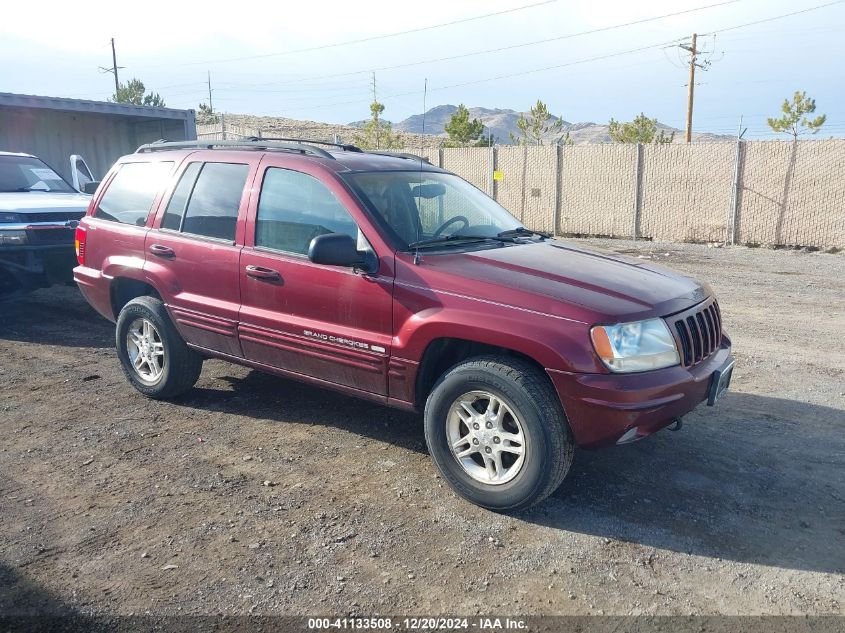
(25, 173)
(419, 206)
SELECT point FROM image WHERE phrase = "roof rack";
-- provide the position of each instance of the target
(405, 155)
(344, 146)
(294, 145)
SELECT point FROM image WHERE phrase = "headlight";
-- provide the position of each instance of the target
(12, 238)
(8, 218)
(637, 346)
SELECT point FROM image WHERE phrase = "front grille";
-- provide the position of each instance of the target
(698, 332)
(51, 236)
(53, 216)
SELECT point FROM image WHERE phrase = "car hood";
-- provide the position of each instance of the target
(559, 278)
(43, 202)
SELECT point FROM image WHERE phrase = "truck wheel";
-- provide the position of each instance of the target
(153, 355)
(497, 433)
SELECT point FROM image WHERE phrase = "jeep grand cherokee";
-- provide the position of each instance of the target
(389, 279)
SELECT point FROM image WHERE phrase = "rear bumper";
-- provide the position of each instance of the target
(602, 408)
(96, 289)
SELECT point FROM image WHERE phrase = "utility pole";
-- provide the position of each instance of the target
(114, 68)
(695, 53)
(375, 112)
(691, 89)
(210, 106)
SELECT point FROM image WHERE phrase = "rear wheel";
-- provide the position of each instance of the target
(497, 433)
(152, 354)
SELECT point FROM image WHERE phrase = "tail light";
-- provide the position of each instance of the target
(79, 243)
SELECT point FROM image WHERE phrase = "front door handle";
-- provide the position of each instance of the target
(266, 274)
(162, 251)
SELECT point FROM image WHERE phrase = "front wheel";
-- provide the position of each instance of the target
(497, 433)
(153, 356)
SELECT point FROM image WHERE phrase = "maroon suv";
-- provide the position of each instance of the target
(387, 278)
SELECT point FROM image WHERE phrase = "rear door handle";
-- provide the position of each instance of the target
(266, 274)
(162, 251)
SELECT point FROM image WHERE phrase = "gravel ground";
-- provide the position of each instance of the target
(253, 494)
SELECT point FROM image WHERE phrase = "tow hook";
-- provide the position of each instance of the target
(677, 425)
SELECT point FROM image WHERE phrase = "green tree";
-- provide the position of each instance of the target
(135, 92)
(205, 115)
(464, 132)
(377, 134)
(640, 130)
(794, 120)
(534, 126)
(488, 140)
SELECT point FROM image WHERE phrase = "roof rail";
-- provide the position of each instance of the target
(405, 155)
(344, 146)
(297, 146)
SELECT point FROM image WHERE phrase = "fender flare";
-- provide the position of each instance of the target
(553, 343)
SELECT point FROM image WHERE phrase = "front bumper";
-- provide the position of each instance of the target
(602, 408)
(30, 267)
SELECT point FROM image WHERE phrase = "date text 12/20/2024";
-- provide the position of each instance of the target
(419, 624)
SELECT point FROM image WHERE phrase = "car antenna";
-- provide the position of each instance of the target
(425, 94)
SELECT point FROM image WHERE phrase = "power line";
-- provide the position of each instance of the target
(503, 48)
(494, 50)
(521, 73)
(776, 17)
(592, 59)
(329, 84)
(361, 40)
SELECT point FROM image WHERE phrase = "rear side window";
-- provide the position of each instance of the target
(131, 193)
(179, 200)
(213, 207)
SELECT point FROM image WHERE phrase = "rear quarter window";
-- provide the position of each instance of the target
(131, 192)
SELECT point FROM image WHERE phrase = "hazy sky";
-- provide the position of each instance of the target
(54, 48)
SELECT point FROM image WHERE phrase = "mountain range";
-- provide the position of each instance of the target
(501, 123)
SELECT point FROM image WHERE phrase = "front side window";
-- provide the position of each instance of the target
(424, 205)
(294, 208)
(131, 192)
(212, 209)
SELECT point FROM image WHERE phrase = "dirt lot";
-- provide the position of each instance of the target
(111, 503)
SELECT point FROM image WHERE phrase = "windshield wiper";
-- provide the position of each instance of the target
(445, 239)
(521, 231)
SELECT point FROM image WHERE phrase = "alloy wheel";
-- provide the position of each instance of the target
(145, 350)
(486, 437)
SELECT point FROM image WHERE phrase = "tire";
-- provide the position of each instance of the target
(176, 369)
(532, 411)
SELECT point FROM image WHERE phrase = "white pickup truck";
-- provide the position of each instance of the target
(39, 211)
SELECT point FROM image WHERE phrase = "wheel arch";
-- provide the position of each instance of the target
(123, 289)
(444, 352)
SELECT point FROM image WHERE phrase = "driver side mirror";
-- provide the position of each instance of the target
(91, 187)
(337, 249)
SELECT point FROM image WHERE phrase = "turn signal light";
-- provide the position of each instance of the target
(79, 244)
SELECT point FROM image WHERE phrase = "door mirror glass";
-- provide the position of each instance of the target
(336, 249)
